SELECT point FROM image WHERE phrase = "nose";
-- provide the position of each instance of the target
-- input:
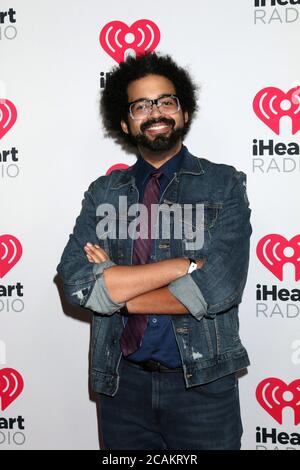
(155, 111)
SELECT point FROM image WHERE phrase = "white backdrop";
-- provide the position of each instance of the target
(51, 60)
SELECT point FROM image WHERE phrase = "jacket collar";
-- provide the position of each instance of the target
(189, 165)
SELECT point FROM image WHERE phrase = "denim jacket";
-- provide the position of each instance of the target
(208, 337)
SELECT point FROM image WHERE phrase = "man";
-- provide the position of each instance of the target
(165, 343)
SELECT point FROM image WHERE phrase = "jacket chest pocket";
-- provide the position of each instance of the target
(191, 228)
(115, 236)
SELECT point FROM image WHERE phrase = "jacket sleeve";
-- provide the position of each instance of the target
(220, 283)
(83, 281)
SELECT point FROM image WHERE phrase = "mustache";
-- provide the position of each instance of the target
(161, 120)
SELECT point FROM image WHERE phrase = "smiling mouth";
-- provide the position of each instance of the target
(158, 128)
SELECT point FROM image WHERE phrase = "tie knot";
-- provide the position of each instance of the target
(156, 175)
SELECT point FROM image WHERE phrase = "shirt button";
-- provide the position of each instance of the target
(154, 320)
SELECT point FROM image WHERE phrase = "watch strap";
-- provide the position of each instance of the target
(192, 266)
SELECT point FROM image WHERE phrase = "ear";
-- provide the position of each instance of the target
(185, 116)
(124, 127)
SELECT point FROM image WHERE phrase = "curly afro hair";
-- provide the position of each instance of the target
(114, 100)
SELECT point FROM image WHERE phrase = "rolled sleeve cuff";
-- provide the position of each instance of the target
(188, 293)
(99, 300)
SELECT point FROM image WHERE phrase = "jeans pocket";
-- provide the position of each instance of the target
(218, 387)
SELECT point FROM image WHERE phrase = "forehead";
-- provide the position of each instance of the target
(150, 87)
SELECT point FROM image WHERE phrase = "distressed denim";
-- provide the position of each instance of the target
(208, 338)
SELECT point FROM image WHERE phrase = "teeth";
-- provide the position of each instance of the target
(156, 127)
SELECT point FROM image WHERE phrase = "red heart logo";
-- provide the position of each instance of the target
(11, 386)
(10, 253)
(8, 116)
(274, 395)
(118, 39)
(117, 166)
(272, 252)
(271, 103)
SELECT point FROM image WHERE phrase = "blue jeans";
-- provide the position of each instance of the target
(155, 411)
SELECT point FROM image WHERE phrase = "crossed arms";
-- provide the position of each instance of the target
(142, 287)
(164, 287)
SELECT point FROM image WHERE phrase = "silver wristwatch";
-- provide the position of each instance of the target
(192, 266)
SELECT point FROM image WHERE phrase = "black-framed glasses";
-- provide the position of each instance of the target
(167, 104)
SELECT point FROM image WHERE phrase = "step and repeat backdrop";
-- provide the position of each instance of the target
(54, 61)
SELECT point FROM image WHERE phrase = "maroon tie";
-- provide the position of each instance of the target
(134, 330)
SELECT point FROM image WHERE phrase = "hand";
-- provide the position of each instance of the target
(95, 254)
(200, 263)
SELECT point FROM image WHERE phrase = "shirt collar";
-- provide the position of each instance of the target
(168, 168)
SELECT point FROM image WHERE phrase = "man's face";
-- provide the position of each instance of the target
(156, 131)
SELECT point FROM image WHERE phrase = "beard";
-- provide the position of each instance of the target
(160, 142)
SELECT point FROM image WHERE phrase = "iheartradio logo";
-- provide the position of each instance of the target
(8, 116)
(117, 166)
(271, 104)
(274, 395)
(10, 253)
(11, 386)
(274, 251)
(120, 40)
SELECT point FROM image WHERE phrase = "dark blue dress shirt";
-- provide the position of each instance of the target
(159, 342)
